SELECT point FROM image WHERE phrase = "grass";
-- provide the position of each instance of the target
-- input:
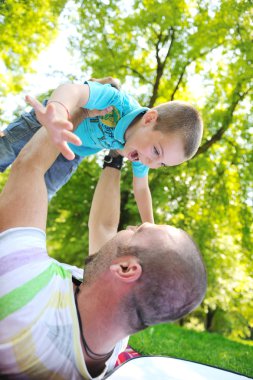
(202, 347)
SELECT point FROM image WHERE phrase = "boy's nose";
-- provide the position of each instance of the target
(146, 160)
(152, 164)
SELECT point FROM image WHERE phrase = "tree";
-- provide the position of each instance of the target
(26, 27)
(67, 227)
(160, 47)
(164, 50)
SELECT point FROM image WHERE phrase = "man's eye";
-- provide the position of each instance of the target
(156, 151)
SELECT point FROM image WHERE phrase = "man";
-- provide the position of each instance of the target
(53, 326)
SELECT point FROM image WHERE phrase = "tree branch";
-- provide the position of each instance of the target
(161, 64)
(107, 44)
(171, 34)
(228, 117)
(179, 80)
(141, 76)
(186, 65)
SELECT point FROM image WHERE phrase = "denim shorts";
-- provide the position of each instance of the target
(17, 134)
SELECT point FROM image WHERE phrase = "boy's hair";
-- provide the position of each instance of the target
(182, 118)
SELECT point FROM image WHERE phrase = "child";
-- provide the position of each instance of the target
(166, 135)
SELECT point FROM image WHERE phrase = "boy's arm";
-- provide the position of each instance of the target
(105, 209)
(71, 95)
(143, 198)
(23, 201)
(56, 116)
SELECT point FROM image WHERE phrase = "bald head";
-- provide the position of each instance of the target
(173, 277)
(173, 280)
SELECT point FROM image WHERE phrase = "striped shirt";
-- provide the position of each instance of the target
(39, 331)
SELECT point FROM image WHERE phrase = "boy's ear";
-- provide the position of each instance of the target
(126, 269)
(150, 117)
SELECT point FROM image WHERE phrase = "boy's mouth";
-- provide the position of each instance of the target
(133, 156)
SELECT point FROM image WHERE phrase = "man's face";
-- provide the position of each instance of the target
(154, 148)
(149, 235)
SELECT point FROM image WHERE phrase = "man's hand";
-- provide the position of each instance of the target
(95, 112)
(54, 118)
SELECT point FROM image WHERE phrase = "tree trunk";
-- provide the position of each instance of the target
(209, 319)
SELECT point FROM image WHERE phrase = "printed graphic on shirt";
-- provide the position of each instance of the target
(111, 119)
(105, 127)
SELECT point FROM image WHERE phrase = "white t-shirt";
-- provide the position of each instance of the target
(39, 331)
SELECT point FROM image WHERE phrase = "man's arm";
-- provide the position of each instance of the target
(143, 199)
(23, 202)
(105, 209)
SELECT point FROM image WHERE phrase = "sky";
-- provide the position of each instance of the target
(51, 68)
(56, 63)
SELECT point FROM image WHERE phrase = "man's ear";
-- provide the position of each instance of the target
(150, 117)
(126, 268)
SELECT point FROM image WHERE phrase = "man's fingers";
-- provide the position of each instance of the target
(35, 103)
(96, 112)
(106, 110)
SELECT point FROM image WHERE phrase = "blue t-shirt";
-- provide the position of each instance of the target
(107, 132)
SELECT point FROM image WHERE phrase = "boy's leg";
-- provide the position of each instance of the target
(60, 173)
(17, 135)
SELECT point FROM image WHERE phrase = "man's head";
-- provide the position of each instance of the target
(160, 270)
(166, 135)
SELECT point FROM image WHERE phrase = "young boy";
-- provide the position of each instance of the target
(166, 135)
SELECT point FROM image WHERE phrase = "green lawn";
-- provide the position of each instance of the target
(213, 349)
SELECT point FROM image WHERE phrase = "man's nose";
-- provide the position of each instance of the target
(143, 226)
(132, 228)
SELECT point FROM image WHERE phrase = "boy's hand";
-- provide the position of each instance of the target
(54, 118)
(58, 127)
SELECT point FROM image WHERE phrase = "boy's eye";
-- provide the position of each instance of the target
(156, 151)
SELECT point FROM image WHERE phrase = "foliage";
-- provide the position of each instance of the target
(212, 349)
(165, 50)
(26, 28)
(67, 227)
(3, 179)
(161, 48)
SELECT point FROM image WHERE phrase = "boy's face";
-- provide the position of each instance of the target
(154, 148)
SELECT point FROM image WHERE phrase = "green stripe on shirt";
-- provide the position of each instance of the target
(20, 296)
